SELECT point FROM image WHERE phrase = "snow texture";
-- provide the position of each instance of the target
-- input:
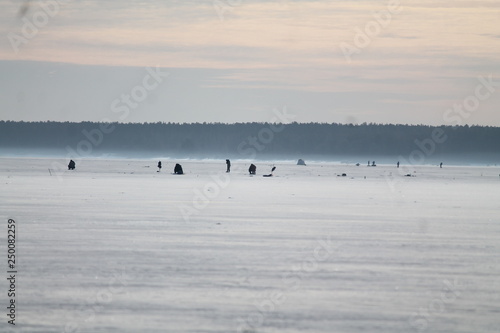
(115, 246)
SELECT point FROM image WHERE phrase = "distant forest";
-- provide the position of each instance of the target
(251, 140)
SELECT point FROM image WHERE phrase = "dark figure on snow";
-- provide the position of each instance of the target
(228, 164)
(252, 169)
(159, 166)
(271, 174)
(71, 165)
(397, 164)
(178, 169)
(373, 163)
(368, 163)
(441, 164)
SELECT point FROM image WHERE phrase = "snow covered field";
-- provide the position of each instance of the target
(115, 246)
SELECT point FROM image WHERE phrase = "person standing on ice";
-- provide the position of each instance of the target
(159, 166)
(397, 164)
(228, 164)
(71, 165)
(441, 164)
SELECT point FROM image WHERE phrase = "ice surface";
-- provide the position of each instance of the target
(115, 246)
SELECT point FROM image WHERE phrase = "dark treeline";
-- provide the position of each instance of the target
(250, 140)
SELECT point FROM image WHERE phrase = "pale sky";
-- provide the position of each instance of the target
(397, 61)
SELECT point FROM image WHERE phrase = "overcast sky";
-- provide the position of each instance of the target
(417, 62)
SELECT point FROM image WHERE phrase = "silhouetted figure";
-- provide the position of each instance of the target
(368, 163)
(441, 164)
(397, 164)
(252, 169)
(178, 169)
(301, 162)
(228, 164)
(373, 163)
(159, 166)
(71, 165)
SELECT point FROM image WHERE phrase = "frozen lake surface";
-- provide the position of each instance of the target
(115, 246)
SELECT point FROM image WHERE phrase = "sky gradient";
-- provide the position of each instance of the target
(412, 62)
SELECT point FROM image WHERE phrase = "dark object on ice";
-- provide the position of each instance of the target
(271, 174)
(343, 175)
(159, 166)
(228, 163)
(252, 169)
(373, 163)
(178, 169)
(301, 162)
(397, 164)
(441, 164)
(357, 164)
(71, 165)
(408, 175)
(368, 163)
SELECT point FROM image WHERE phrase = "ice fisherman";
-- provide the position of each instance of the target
(71, 165)
(253, 169)
(228, 164)
(159, 166)
(178, 169)
(271, 174)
